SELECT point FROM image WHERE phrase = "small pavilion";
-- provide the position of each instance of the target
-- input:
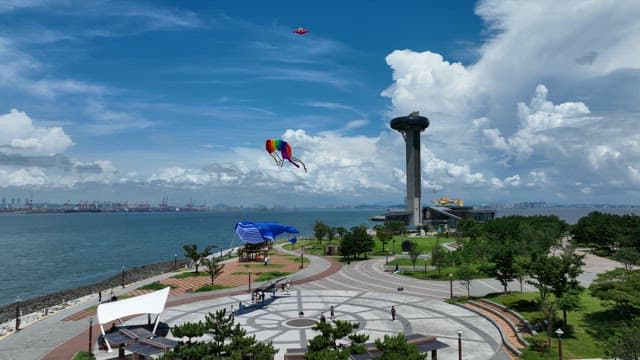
(258, 238)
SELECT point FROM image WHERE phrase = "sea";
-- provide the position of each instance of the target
(44, 253)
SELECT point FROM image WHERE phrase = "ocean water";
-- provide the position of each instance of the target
(43, 253)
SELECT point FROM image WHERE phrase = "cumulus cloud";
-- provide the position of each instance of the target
(536, 124)
(484, 133)
(18, 135)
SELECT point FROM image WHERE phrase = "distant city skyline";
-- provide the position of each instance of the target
(134, 100)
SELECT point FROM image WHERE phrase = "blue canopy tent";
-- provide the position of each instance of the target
(254, 234)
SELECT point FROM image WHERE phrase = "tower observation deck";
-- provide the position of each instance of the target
(410, 127)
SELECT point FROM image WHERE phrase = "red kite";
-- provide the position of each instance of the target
(301, 31)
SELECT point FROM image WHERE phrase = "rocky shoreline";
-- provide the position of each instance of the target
(32, 305)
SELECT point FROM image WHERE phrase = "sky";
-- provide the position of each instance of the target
(138, 100)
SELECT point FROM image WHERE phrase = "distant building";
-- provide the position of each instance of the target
(444, 218)
(441, 217)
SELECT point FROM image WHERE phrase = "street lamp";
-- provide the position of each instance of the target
(17, 313)
(559, 332)
(175, 262)
(249, 280)
(459, 344)
(450, 286)
(90, 336)
(301, 257)
(425, 267)
(122, 277)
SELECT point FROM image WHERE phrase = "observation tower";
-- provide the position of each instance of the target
(410, 127)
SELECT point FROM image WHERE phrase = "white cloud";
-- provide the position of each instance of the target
(536, 124)
(19, 135)
(580, 52)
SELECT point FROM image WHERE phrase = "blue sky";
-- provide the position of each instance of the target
(134, 100)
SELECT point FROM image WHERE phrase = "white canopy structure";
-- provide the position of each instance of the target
(151, 303)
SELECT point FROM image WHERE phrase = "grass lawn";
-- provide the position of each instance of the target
(155, 286)
(263, 276)
(582, 337)
(425, 244)
(188, 274)
(312, 246)
(211, 288)
(83, 355)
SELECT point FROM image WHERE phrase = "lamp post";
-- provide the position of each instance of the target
(90, 336)
(393, 240)
(459, 344)
(425, 267)
(17, 313)
(175, 262)
(301, 257)
(559, 332)
(450, 286)
(249, 280)
(122, 277)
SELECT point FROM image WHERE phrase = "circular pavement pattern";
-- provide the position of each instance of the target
(279, 320)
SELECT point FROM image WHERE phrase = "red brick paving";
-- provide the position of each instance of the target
(67, 350)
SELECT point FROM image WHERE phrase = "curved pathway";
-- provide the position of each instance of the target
(361, 291)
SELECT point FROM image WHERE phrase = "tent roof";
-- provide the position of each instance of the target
(256, 233)
(151, 303)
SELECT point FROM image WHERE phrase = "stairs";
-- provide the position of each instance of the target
(512, 326)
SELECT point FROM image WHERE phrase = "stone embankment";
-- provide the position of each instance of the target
(39, 303)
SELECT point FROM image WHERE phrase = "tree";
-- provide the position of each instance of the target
(331, 233)
(503, 258)
(414, 253)
(230, 341)
(545, 272)
(396, 227)
(357, 241)
(466, 273)
(191, 252)
(383, 235)
(624, 344)
(324, 346)
(628, 256)
(620, 286)
(396, 348)
(570, 301)
(438, 256)
(214, 268)
(319, 230)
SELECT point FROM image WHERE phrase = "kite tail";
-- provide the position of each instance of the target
(303, 165)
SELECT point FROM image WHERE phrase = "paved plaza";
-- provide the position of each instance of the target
(361, 292)
(272, 322)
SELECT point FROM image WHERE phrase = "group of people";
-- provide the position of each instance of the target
(332, 312)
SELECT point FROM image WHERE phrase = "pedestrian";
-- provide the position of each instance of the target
(393, 313)
(266, 260)
(282, 286)
(99, 295)
(239, 307)
(333, 314)
(322, 318)
(288, 287)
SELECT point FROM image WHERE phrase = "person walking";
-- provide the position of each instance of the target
(333, 314)
(322, 318)
(393, 313)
